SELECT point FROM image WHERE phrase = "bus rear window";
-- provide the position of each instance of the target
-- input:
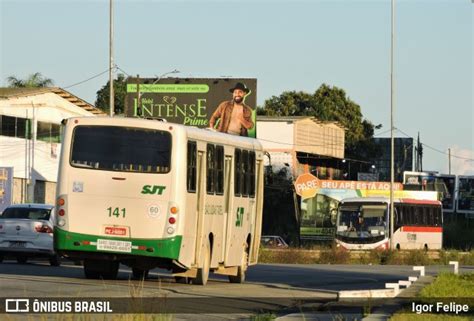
(124, 149)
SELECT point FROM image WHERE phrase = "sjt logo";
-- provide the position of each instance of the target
(153, 189)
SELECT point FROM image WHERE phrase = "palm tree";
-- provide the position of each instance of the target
(34, 80)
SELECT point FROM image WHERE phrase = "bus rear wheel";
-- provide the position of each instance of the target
(240, 277)
(21, 259)
(55, 260)
(203, 272)
(182, 279)
(95, 269)
(140, 274)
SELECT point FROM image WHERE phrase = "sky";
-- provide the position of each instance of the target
(286, 45)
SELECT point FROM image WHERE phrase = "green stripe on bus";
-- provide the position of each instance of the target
(165, 248)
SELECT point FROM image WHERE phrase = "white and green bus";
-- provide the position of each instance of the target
(147, 194)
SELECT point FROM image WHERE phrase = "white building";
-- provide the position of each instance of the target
(302, 144)
(30, 124)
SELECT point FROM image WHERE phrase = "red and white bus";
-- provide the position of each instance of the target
(364, 224)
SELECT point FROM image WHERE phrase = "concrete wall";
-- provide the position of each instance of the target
(42, 158)
(31, 158)
(45, 192)
(319, 138)
(275, 135)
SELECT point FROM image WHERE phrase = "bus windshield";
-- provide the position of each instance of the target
(124, 149)
(362, 220)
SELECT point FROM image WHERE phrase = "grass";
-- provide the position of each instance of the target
(334, 255)
(263, 317)
(448, 285)
(427, 317)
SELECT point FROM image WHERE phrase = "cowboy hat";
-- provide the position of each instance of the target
(240, 86)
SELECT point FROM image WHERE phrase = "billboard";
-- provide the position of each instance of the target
(465, 200)
(226, 105)
(442, 183)
(318, 213)
(6, 187)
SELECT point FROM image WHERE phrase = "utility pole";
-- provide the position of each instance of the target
(449, 161)
(139, 105)
(111, 58)
(420, 153)
(392, 147)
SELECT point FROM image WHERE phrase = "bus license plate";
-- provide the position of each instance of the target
(116, 230)
(112, 245)
(18, 244)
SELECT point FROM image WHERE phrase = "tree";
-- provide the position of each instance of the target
(120, 91)
(33, 80)
(328, 104)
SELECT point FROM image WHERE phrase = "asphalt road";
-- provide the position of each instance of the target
(268, 287)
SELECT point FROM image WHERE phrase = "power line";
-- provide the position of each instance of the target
(384, 132)
(444, 153)
(123, 71)
(435, 149)
(88, 79)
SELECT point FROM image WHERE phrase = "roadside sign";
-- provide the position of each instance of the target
(306, 185)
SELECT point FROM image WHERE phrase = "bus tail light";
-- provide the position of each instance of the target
(61, 210)
(173, 210)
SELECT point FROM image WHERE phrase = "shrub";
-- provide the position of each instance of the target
(446, 256)
(417, 257)
(334, 256)
(286, 256)
(467, 259)
(393, 257)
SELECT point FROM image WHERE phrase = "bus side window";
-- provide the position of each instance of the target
(410, 215)
(237, 172)
(191, 167)
(398, 216)
(219, 168)
(245, 173)
(252, 174)
(210, 169)
(417, 215)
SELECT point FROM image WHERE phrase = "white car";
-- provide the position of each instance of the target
(273, 241)
(26, 230)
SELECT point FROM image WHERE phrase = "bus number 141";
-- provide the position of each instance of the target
(116, 212)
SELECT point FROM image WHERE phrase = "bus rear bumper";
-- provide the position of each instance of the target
(80, 246)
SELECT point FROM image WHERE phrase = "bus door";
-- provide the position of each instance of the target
(227, 203)
(256, 219)
(199, 205)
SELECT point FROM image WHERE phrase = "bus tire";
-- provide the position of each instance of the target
(140, 274)
(203, 272)
(95, 269)
(240, 277)
(1, 258)
(181, 279)
(55, 260)
(21, 259)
